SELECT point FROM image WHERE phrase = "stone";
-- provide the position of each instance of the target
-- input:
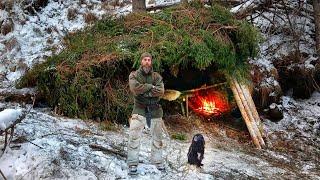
(275, 112)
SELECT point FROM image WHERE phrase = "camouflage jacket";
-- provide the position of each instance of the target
(147, 90)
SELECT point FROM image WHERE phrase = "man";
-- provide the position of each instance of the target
(147, 87)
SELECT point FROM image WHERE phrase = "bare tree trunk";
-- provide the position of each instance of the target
(316, 14)
(138, 5)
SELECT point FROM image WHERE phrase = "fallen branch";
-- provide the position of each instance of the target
(243, 10)
(18, 95)
(3, 175)
(112, 151)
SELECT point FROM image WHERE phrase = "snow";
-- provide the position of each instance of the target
(58, 148)
(242, 6)
(8, 117)
(154, 3)
(301, 115)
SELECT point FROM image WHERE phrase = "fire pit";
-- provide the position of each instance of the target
(209, 102)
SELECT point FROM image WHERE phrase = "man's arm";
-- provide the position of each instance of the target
(136, 87)
(158, 89)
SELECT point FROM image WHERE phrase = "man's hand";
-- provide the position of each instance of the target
(136, 87)
(149, 93)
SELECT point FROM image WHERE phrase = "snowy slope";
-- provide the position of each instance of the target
(50, 147)
(284, 32)
(35, 37)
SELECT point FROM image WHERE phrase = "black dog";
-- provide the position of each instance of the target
(196, 150)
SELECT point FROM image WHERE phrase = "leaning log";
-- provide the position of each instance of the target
(249, 112)
(245, 115)
(256, 116)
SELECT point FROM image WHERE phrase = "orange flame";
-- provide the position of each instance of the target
(209, 103)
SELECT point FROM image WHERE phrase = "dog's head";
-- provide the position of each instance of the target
(198, 139)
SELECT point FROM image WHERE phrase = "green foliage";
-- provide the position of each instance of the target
(108, 126)
(222, 15)
(179, 136)
(89, 78)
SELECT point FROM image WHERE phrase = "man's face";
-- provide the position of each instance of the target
(146, 64)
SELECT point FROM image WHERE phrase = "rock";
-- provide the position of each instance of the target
(34, 6)
(304, 82)
(298, 76)
(7, 27)
(11, 43)
(267, 88)
(72, 14)
(275, 112)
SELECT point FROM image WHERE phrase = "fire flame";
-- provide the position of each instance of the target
(209, 103)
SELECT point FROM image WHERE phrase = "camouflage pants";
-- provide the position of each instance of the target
(137, 123)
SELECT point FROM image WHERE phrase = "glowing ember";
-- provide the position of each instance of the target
(207, 107)
(209, 102)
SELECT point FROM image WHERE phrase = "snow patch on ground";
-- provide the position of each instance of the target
(57, 147)
(8, 117)
(61, 150)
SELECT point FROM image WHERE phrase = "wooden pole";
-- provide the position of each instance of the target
(253, 108)
(187, 105)
(244, 115)
(249, 112)
(182, 108)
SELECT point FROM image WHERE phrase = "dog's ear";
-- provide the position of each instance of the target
(195, 138)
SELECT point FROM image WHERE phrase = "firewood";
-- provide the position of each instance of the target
(245, 116)
(253, 108)
(249, 112)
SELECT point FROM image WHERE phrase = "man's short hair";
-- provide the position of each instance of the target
(145, 54)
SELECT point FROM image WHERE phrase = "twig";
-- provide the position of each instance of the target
(3, 175)
(34, 144)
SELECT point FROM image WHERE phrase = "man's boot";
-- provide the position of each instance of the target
(133, 170)
(161, 167)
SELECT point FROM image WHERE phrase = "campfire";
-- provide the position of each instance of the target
(209, 103)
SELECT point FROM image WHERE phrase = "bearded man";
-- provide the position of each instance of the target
(147, 87)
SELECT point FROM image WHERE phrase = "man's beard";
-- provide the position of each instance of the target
(146, 69)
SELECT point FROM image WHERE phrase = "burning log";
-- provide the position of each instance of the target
(252, 132)
(209, 102)
(249, 110)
